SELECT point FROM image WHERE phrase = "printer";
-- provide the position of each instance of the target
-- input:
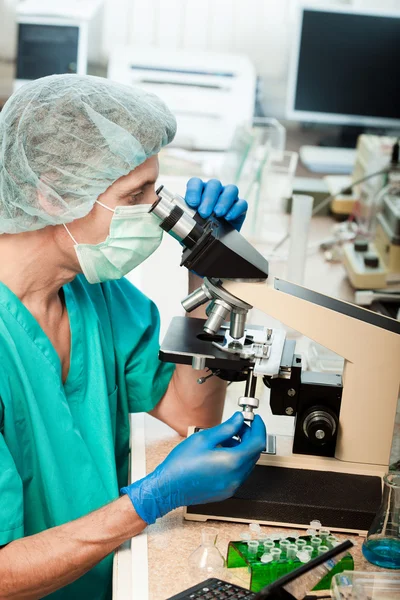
(209, 93)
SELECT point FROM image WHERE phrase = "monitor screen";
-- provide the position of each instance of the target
(46, 50)
(346, 68)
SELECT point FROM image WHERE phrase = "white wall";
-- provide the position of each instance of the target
(259, 28)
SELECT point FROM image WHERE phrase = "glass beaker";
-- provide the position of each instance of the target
(382, 544)
(207, 560)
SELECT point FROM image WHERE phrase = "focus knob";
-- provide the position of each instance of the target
(319, 426)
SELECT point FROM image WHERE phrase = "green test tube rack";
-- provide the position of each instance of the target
(262, 574)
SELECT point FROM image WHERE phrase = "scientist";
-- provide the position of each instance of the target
(79, 343)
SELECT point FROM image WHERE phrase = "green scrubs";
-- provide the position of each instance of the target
(64, 448)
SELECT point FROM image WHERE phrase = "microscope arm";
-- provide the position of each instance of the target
(370, 345)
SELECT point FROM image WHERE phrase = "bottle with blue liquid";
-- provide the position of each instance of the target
(382, 544)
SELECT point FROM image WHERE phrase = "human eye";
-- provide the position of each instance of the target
(135, 198)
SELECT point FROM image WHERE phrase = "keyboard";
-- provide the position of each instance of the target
(214, 589)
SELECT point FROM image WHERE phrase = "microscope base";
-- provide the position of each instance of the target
(291, 497)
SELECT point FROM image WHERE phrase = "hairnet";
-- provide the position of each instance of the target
(65, 139)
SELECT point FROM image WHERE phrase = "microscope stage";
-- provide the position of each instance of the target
(185, 339)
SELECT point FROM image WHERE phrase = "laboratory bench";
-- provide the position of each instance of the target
(154, 566)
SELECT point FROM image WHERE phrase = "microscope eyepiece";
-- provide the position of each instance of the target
(211, 247)
(174, 219)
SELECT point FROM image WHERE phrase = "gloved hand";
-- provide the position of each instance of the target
(213, 197)
(207, 467)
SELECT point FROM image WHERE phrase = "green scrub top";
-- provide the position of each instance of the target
(64, 448)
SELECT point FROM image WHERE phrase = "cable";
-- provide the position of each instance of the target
(328, 199)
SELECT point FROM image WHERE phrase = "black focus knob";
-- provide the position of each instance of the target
(371, 260)
(319, 426)
(361, 246)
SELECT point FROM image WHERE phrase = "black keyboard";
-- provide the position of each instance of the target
(214, 589)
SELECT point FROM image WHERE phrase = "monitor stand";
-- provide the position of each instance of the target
(335, 154)
(346, 137)
(328, 161)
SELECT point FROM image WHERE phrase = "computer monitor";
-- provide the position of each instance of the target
(345, 68)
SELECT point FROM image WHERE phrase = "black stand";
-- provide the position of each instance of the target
(297, 496)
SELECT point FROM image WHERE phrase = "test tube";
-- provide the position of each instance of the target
(299, 226)
(268, 545)
(276, 554)
(308, 549)
(303, 557)
(311, 532)
(245, 536)
(283, 545)
(262, 537)
(323, 533)
(253, 546)
(322, 550)
(291, 551)
(315, 524)
(315, 542)
(266, 558)
(331, 541)
(300, 544)
(255, 529)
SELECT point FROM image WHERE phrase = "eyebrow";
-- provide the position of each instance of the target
(141, 185)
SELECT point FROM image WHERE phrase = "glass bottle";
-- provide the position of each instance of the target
(382, 544)
(207, 561)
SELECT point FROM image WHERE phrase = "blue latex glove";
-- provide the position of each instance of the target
(213, 197)
(200, 469)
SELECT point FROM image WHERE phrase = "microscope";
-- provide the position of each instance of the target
(332, 467)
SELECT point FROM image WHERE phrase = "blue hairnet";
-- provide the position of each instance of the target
(65, 139)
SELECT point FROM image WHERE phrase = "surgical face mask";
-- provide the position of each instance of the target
(134, 235)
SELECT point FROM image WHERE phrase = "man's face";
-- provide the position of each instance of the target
(138, 187)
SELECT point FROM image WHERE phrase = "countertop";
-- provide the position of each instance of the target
(172, 539)
(159, 557)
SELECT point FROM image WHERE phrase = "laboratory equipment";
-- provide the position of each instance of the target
(316, 524)
(332, 465)
(207, 560)
(266, 568)
(363, 585)
(291, 586)
(266, 558)
(355, 194)
(300, 543)
(328, 78)
(209, 93)
(283, 545)
(323, 532)
(367, 297)
(299, 228)
(57, 37)
(375, 264)
(252, 547)
(269, 192)
(382, 545)
(268, 545)
(316, 542)
(255, 529)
